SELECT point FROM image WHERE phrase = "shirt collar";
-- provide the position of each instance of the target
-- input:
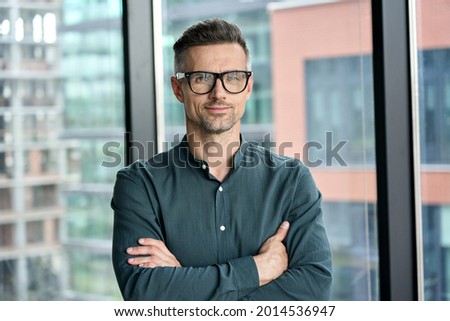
(187, 156)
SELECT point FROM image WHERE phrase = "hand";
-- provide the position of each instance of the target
(153, 253)
(272, 259)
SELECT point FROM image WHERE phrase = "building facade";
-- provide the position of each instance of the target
(35, 162)
(61, 101)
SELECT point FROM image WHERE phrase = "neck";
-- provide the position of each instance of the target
(215, 149)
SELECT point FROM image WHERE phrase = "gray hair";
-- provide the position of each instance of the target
(207, 32)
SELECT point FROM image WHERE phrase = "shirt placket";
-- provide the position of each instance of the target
(222, 222)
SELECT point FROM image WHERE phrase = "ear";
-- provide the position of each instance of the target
(249, 88)
(177, 90)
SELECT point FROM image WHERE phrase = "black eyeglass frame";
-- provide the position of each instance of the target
(217, 75)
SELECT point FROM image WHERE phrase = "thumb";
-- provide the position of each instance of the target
(282, 231)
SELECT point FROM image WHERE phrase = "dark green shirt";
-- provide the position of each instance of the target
(215, 228)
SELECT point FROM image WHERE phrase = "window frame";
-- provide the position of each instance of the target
(398, 208)
(139, 77)
(396, 148)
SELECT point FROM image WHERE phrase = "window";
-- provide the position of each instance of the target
(313, 90)
(433, 59)
(323, 102)
(61, 101)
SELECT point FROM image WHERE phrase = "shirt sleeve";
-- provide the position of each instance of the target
(309, 273)
(134, 217)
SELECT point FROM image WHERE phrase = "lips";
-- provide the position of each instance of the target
(217, 107)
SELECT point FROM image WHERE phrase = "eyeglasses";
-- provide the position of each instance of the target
(203, 82)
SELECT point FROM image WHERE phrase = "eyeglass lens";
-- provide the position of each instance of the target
(203, 82)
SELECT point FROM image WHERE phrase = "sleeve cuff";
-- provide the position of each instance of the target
(246, 273)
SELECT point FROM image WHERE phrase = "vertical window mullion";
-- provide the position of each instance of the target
(394, 151)
(140, 94)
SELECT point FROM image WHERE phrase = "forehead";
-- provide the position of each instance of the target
(218, 57)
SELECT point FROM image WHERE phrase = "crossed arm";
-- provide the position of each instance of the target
(288, 266)
(271, 260)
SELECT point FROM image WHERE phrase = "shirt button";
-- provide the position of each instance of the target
(220, 189)
(222, 228)
(204, 166)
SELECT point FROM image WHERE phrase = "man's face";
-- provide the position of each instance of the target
(217, 111)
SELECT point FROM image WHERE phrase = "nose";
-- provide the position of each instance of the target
(218, 91)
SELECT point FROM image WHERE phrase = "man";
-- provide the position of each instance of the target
(216, 217)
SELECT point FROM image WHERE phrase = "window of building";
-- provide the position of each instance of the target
(434, 99)
(340, 90)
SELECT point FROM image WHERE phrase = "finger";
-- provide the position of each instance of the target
(151, 254)
(282, 231)
(148, 265)
(160, 262)
(148, 241)
(147, 261)
(147, 251)
(138, 260)
(141, 250)
(153, 261)
(148, 246)
(157, 243)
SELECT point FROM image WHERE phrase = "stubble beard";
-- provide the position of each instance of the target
(218, 124)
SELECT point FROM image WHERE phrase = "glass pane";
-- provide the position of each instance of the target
(433, 40)
(61, 121)
(313, 100)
